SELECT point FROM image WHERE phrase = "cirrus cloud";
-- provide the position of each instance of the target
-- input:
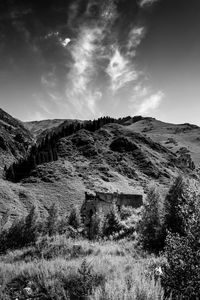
(98, 61)
(147, 2)
(150, 104)
(120, 71)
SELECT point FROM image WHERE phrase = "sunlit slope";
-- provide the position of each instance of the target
(127, 157)
(172, 136)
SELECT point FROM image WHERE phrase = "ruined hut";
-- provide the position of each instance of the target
(103, 202)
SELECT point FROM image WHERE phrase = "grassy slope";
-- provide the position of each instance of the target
(18, 198)
(14, 140)
(37, 127)
(184, 135)
(86, 162)
(40, 128)
(50, 266)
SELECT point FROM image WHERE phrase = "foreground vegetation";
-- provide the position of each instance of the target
(61, 268)
(142, 255)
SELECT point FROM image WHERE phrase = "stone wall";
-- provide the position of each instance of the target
(130, 200)
(103, 202)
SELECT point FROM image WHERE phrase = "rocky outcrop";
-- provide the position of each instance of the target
(185, 161)
(122, 144)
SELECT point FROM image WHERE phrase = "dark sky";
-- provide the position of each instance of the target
(87, 58)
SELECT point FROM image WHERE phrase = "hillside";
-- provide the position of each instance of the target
(172, 136)
(38, 127)
(127, 156)
(15, 139)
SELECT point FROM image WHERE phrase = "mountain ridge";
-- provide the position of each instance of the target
(126, 156)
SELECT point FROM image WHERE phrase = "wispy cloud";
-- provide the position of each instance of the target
(83, 67)
(82, 71)
(121, 68)
(65, 42)
(135, 37)
(147, 2)
(87, 50)
(49, 80)
(72, 12)
(140, 91)
(36, 116)
(51, 34)
(150, 104)
(120, 71)
(43, 111)
(43, 105)
(103, 63)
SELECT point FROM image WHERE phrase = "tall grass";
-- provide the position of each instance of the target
(78, 269)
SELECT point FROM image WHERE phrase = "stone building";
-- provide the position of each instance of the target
(103, 202)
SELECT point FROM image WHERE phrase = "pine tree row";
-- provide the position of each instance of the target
(45, 150)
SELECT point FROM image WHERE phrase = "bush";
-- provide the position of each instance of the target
(97, 225)
(31, 230)
(150, 227)
(182, 276)
(58, 271)
(174, 201)
(74, 219)
(126, 212)
(122, 144)
(52, 220)
(82, 284)
(112, 222)
(112, 226)
(21, 233)
(62, 226)
(13, 237)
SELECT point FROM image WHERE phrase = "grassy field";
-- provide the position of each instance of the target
(52, 257)
(64, 268)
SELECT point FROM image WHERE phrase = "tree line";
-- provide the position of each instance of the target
(46, 151)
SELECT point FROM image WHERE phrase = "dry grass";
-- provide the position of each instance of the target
(113, 270)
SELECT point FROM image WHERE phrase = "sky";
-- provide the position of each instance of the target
(82, 59)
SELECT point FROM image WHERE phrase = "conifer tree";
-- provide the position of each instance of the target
(74, 219)
(97, 225)
(31, 229)
(52, 220)
(174, 203)
(150, 227)
(112, 222)
(182, 273)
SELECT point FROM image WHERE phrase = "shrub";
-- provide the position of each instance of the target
(62, 226)
(182, 276)
(19, 138)
(112, 222)
(150, 228)
(126, 212)
(52, 220)
(31, 230)
(174, 201)
(97, 225)
(13, 237)
(82, 283)
(74, 219)
(122, 144)
(22, 232)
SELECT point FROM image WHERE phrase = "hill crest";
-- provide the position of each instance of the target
(127, 155)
